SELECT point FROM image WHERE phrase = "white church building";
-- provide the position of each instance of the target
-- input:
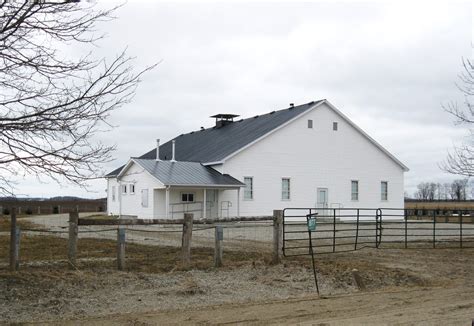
(310, 155)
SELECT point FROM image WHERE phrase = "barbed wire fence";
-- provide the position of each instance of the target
(104, 242)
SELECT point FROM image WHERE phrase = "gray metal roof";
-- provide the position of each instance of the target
(214, 144)
(187, 174)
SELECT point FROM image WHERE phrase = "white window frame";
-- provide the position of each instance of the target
(382, 193)
(144, 202)
(247, 191)
(123, 189)
(131, 187)
(355, 195)
(187, 193)
(283, 190)
(113, 193)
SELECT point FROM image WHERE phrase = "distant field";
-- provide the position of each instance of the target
(441, 205)
(52, 206)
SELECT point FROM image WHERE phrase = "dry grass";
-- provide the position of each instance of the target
(101, 253)
(23, 224)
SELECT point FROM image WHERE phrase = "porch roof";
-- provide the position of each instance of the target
(187, 174)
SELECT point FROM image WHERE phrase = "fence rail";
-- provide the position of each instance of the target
(100, 241)
(349, 229)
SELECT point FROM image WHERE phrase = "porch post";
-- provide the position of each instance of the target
(238, 202)
(204, 203)
(167, 202)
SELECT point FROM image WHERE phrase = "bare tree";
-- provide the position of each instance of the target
(52, 105)
(444, 190)
(423, 191)
(461, 159)
(459, 189)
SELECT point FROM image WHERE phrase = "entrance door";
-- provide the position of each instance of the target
(211, 203)
(322, 201)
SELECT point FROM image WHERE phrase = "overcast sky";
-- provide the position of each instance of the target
(388, 67)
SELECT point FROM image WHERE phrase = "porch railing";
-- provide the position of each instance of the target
(191, 207)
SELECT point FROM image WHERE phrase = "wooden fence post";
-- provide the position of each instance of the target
(186, 241)
(14, 241)
(277, 236)
(121, 248)
(72, 242)
(358, 280)
(219, 236)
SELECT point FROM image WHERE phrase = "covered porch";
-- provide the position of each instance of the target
(203, 202)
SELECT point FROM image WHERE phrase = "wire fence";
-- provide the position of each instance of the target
(44, 242)
(349, 229)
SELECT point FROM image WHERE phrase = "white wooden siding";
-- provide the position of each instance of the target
(132, 203)
(314, 158)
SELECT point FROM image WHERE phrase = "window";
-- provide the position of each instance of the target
(113, 193)
(310, 124)
(334, 126)
(144, 197)
(124, 189)
(187, 197)
(132, 189)
(285, 189)
(354, 190)
(384, 190)
(248, 190)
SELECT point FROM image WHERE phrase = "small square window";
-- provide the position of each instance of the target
(187, 197)
(334, 126)
(310, 124)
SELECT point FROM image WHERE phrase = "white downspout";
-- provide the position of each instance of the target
(167, 202)
(120, 197)
(204, 203)
(238, 202)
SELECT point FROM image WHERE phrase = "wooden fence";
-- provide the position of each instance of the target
(187, 223)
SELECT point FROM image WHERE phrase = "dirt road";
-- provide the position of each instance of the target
(425, 306)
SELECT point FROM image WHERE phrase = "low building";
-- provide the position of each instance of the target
(310, 155)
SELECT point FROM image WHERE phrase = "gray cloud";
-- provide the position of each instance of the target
(388, 67)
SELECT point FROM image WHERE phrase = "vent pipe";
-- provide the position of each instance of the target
(173, 150)
(158, 150)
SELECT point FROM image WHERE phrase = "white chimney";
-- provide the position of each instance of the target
(158, 150)
(172, 149)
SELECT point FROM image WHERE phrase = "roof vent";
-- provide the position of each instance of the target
(202, 128)
(292, 105)
(272, 112)
(223, 119)
(256, 117)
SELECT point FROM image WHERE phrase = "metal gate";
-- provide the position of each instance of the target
(349, 229)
